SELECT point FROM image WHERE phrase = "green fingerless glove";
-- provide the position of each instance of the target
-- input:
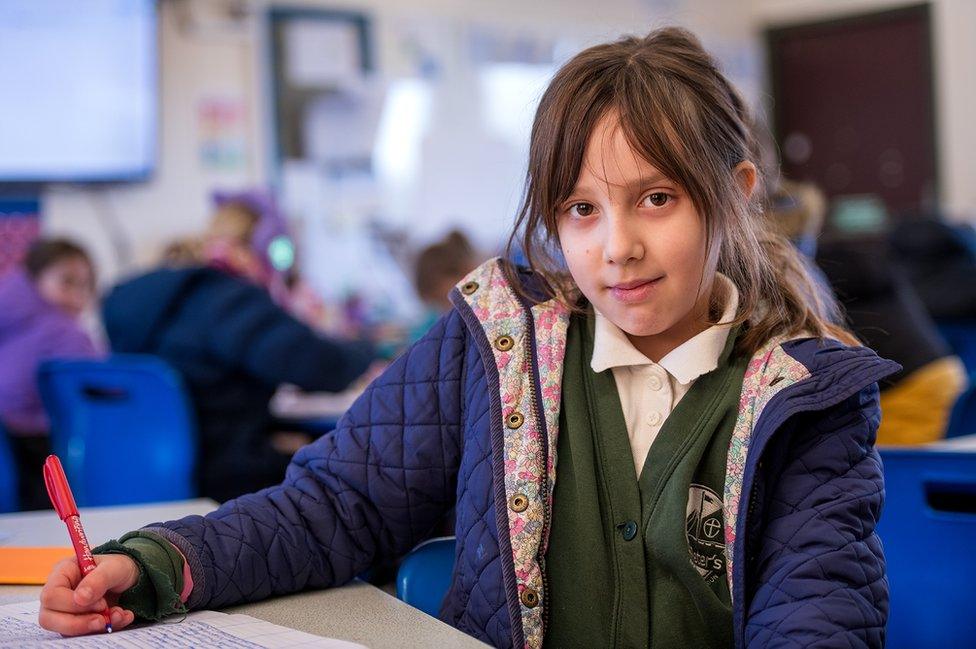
(157, 592)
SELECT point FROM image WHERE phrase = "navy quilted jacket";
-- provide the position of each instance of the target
(436, 431)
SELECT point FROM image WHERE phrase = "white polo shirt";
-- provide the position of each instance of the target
(649, 391)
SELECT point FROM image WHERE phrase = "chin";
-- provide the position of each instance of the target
(637, 324)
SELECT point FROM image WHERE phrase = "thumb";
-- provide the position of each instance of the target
(106, 576)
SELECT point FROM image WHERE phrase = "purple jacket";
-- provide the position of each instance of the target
(31, 331)
(439, 429)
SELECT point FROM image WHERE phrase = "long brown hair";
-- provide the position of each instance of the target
(680, 113)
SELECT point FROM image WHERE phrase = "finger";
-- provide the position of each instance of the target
(62, 599)
(121, 618)
(64, 573)
(99, 581)
(69, 624)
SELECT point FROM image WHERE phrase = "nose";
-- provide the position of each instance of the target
(622, 242)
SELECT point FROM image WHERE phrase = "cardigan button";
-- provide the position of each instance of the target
(529, 597)
(469, 288)
(628, 530)
(518, 503)
(504, 343)
(515, 420)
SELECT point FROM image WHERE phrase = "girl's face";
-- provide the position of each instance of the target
(68, 284)
(635, 245)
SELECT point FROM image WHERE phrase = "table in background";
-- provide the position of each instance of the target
(358, 611)
(963, 443)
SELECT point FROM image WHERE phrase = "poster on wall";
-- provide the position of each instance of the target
(222, 133)
(20, 225)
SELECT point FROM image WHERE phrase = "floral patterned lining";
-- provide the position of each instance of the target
(770, 371)
(501, 314)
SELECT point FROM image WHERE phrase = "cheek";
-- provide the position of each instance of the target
(684, 247)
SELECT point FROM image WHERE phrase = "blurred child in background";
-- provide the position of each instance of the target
(40, 307)
(439, 267)
(885, 312)
(215, 319)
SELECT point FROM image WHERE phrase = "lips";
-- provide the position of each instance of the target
(636, 290)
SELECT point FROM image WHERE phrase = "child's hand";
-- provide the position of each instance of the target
(71, 605)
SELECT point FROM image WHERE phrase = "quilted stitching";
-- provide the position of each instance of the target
(820, 579)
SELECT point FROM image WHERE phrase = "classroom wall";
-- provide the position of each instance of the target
(953, 28)
(206, 59)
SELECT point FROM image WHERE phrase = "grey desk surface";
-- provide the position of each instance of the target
(964, 443)
(358, 611)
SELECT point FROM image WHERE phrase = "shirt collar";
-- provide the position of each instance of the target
(686, 362)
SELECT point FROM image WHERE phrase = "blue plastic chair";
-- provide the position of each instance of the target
(425, 574)
(961, 336)
(962, 421)
(122, 428)
(928, 528)
(9, 496)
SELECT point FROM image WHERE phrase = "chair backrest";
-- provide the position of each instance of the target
(928, 529)
(9, 496)
(425, 574)
(961, 336)
(122, 427)
(962, 421)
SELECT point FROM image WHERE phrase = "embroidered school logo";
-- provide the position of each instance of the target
(706, 533)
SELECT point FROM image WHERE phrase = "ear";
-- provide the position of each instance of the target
(746, 176)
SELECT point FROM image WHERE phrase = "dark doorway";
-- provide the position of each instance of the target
(854, 107)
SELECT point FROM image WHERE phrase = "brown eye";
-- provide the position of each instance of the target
(657, 199)
(582, 209)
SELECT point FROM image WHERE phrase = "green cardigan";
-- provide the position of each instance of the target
(640, 562)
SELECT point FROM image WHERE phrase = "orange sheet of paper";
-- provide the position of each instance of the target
(29, 565)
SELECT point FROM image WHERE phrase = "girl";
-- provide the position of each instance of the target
(653, 436)
(41, 305)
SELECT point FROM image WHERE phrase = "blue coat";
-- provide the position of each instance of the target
(233, 347)
(435, 431)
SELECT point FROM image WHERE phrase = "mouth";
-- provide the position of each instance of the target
(635, 290)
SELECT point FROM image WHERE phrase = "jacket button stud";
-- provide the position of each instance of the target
(518, 503)
(529, 597)
(504, 343)
(515, 420)
(469, 288)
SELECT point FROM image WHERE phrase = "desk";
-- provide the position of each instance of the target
(289, 403)
(963, 443)
(358, 611)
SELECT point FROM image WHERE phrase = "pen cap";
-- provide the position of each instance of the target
(57, 488)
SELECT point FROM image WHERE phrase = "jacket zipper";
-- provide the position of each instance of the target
(534, 407)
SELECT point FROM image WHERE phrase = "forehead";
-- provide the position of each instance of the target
(611, 161)
(69, 265)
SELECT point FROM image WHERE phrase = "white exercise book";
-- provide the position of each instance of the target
(19, 629)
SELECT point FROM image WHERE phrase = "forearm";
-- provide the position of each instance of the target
(164, 582)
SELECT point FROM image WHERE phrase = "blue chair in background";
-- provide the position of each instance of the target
(9, 496)
(425, 575)
(928, 528)
(962, 421)
(122, 427)
(961, 336)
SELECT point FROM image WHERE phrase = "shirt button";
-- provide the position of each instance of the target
(654, 418)
(655, 383)
(628, 530)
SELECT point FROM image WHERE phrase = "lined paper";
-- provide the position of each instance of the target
(19, 630)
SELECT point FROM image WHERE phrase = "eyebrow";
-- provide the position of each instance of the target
(653, 179)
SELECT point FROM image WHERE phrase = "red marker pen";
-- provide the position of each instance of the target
(64, 504)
